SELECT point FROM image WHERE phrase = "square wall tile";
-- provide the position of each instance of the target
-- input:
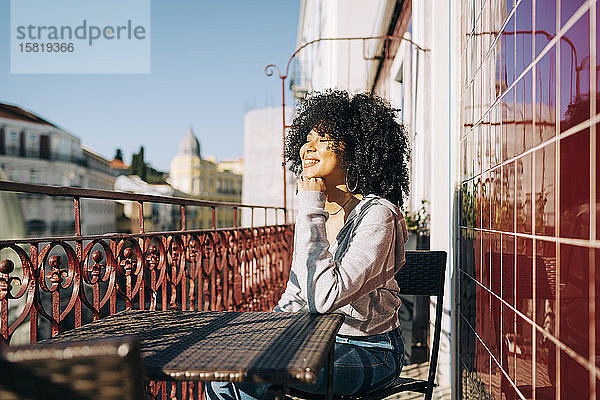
(574, 74)
(524, 356)
(467, 252)
(495, 327)
(496, 135)
(545, 101)
(483, 322)
(509, 341)
(508, 269)
(545, 23)
(574, 321)
(574, 379)
(468, 306)
(482, 361)
(523, 37)
(575, 185)
(466, 350)
(508, 125)
(508, 52)
(507, 213)
(527, 142)
(484, 278)
(497, 379)
(523, 192)
(485, 200)
(495, 188)
(485, 147)
(545, 170)
(545, 365)
(545, 285)
(498, 66)
(519, 138)
(495, 259)
(525, 276)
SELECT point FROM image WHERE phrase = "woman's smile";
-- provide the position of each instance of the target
(310, 162)
(319, 160)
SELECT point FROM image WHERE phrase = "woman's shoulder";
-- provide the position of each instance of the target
(377, 210)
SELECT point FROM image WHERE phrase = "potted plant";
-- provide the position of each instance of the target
(417, 224)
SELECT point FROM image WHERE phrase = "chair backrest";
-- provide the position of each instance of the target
(424, 274)
(100, 369)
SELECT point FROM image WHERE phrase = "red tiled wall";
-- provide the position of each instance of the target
(529, 305)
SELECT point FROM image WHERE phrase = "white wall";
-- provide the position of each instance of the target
(262, 183)
(334, 64)
(442, 166)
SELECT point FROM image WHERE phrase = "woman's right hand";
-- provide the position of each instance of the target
(311, 184)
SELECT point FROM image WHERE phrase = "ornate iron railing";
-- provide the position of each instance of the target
(49, 285)
(64, 282)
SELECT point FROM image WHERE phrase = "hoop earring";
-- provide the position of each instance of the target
(348, 186)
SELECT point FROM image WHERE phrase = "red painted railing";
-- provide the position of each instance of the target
(49, 285)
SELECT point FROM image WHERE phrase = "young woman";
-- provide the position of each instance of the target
(351, 156)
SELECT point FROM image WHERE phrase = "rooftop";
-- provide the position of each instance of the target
(10, 111)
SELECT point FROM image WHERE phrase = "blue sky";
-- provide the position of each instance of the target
(207, 62)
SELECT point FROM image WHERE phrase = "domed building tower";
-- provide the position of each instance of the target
(187, 165)
(206, 180)
(190, 146)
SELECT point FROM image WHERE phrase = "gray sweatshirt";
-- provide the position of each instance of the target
(355, 276)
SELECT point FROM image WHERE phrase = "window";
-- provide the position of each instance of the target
(32, 145)
(400, 80)
(12, 143)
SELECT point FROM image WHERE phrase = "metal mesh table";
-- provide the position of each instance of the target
(270, 347)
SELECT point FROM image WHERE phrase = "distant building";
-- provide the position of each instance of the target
(33, 150)
(206, 179)
(158, 217)
(263, 172)
(235, 166)
(119, 167)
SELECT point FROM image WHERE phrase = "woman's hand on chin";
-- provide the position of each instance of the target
(311, 184)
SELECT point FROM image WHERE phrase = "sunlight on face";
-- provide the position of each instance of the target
(319, 160)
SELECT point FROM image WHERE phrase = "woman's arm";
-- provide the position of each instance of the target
(366, 265)
(291, 300)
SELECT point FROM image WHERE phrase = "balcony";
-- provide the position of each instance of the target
(49, 285)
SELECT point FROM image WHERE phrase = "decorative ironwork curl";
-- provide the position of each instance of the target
(269, 69)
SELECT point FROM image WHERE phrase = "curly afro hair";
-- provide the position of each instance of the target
(370, 144)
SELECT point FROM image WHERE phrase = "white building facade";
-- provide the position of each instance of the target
(33, 150)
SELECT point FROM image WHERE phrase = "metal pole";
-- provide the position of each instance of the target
(283, 141)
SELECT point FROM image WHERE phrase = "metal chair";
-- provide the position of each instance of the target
(423, 275)
(99, 369)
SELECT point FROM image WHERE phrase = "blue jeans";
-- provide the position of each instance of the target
(361, 365)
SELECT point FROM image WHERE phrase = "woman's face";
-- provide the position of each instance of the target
(319, 160)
